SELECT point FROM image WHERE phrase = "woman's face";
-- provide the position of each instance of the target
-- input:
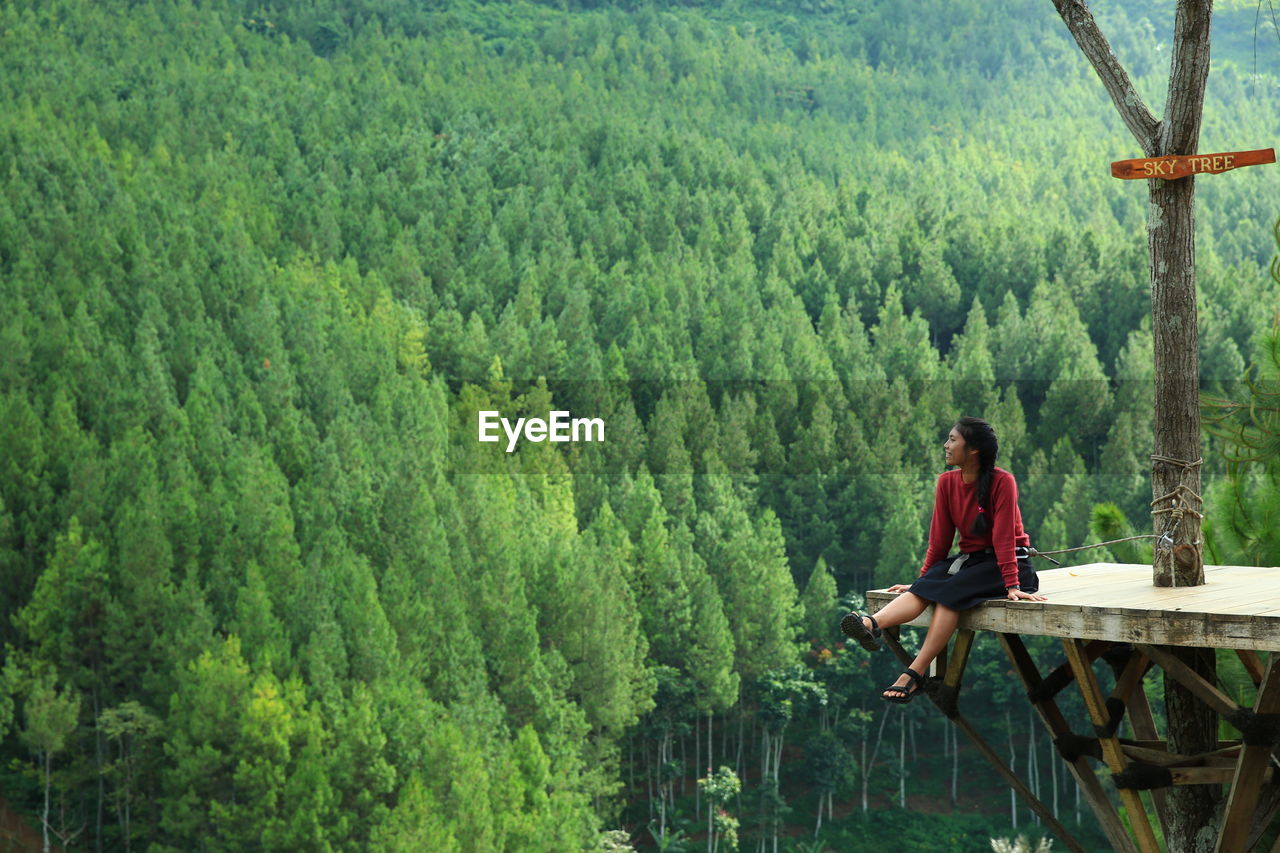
(954, 448)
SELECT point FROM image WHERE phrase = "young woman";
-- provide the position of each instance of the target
(981, 501)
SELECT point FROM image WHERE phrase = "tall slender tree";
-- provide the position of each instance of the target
(1172, 266)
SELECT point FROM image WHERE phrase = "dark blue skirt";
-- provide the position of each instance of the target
(978, 579)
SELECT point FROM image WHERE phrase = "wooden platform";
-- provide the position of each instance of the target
(1112, 611)
(1237, 607)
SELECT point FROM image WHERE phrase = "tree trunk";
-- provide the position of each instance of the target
(1171, 264)
(866, 764)
(902, 762)
(1053, 771)
(44, 815)
(662, 785)
(1193, 729)
(1175, 475)
(648, 778)
(711, 818)
(1013, 766)
(1030, 772)
(955, 766)
(1172, 248)
(97, 761)
(126, 761)
(777, 763)
(697, 760)
(737, 760)
(1171, 241)
(766, 753)
(865, 775)
(684, 764)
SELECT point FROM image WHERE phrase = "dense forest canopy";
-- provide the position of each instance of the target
(262, 264)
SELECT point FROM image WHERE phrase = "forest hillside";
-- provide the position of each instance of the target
(263, 266)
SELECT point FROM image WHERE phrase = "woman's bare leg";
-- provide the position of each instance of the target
(941, 626)
(900, 611)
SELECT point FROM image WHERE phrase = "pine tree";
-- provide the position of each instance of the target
(49, 722)
(972, 370)
(748, 562)
(821, 607)
(416, 823)
(902, 539)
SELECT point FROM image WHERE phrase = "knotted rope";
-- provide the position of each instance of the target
(1176, 510)
(1179, 505)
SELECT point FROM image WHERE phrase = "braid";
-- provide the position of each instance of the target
(982, 523)
(979, 436)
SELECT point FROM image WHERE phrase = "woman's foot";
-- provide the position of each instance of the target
(863, 629)
(905, 688)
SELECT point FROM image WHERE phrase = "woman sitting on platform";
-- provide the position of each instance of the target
(981, 501)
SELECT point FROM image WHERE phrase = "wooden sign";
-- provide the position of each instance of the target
(1174, 167)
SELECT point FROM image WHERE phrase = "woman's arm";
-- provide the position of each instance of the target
(1004, 493)
(1002, 538)
(942, 530)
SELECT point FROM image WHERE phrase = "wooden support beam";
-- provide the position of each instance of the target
(1205, 776)
(1246, 783)
(1116, 761)
(1190, 679)
(1172, 759)
(1225, 747)
(961, 647)
(1144, 726)
(1263, 816)
(956, 665)
(1131, 677)
(1061, 677)
(1151, 777)
(890, 637)
(1252, 664)
(1053, 720)
(947, 696)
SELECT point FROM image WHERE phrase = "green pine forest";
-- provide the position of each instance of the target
(263, 263)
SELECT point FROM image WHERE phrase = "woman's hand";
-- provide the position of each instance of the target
(900, 587)
(1019, 595)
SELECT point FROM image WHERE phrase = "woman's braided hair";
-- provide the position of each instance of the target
(979, 435)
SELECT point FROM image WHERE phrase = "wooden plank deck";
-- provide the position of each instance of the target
(1237, 607)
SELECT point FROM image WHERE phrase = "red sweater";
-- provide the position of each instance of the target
(955, 508)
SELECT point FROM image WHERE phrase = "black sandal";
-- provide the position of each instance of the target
(907, 692)
(852, 626)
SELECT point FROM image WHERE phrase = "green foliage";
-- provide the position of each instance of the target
(49, 716)
(6, 703)
(821, 608)
(969, 833)
(719, 788)
(261, 266)
(130, 731)
(1021, 844)
(1107, 522)
(1241, 525)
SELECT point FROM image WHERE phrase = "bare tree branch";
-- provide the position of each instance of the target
(1094, 45)
(1180, 130)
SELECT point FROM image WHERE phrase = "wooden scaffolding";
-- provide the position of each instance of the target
(1112, 610)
